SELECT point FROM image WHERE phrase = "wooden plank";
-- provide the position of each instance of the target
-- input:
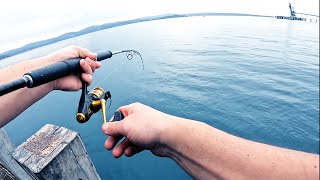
(6, 174)
(6, 148)
(64, 166)
(43, 157)
(56, 153)
(40, 149)
(25, 150)
(83, 158)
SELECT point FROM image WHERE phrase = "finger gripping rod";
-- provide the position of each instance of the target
(49, 73)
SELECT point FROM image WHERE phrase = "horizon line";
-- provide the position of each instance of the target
(95, 28)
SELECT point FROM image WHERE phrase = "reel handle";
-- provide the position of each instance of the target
(117, 116)
(84, 105)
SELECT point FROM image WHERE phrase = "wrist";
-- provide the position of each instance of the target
(52, 85)
(168, 137)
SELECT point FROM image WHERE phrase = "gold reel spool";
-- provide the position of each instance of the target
(94, 101)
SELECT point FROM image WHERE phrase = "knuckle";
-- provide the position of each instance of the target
(121, 108)
(72, 47)
(136, 104)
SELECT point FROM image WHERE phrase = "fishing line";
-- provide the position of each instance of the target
(113, 70)
(129, 54)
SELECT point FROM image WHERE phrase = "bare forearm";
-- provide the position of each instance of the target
(14, 103)
(205, 152)
(15, 71)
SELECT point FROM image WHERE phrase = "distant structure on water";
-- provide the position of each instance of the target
(303, 16)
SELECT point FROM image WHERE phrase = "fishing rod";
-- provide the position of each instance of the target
(90, 102)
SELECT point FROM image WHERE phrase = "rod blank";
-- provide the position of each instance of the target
(12, 86)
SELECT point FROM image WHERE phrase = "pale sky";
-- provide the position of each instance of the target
(24, 22)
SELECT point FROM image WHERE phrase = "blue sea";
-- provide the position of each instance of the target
(253, 77)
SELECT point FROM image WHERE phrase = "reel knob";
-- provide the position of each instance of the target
(117, 116)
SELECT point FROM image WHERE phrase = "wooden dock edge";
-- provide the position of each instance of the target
(9, 168)
(51, 153)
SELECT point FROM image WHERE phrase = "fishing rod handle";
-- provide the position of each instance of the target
(59, 70)
(54, 72)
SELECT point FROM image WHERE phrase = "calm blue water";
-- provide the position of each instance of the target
(257, 78)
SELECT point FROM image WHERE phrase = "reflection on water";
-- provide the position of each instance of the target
(256, 78)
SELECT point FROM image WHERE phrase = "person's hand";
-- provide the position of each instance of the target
(143, 128)
(88, 65)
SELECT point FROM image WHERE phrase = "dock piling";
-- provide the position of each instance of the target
(56, 153)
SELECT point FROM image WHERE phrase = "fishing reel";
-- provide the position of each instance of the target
(91, 102)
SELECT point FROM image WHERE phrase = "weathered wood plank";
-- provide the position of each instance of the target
(6, 174)
(83, 158)
(64, 167)
(42, 157)
(40, 149)
(24, 151)
(6, 148)
(56, 153)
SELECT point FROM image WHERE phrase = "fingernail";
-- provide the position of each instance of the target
(94, 54)
(111, 119)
